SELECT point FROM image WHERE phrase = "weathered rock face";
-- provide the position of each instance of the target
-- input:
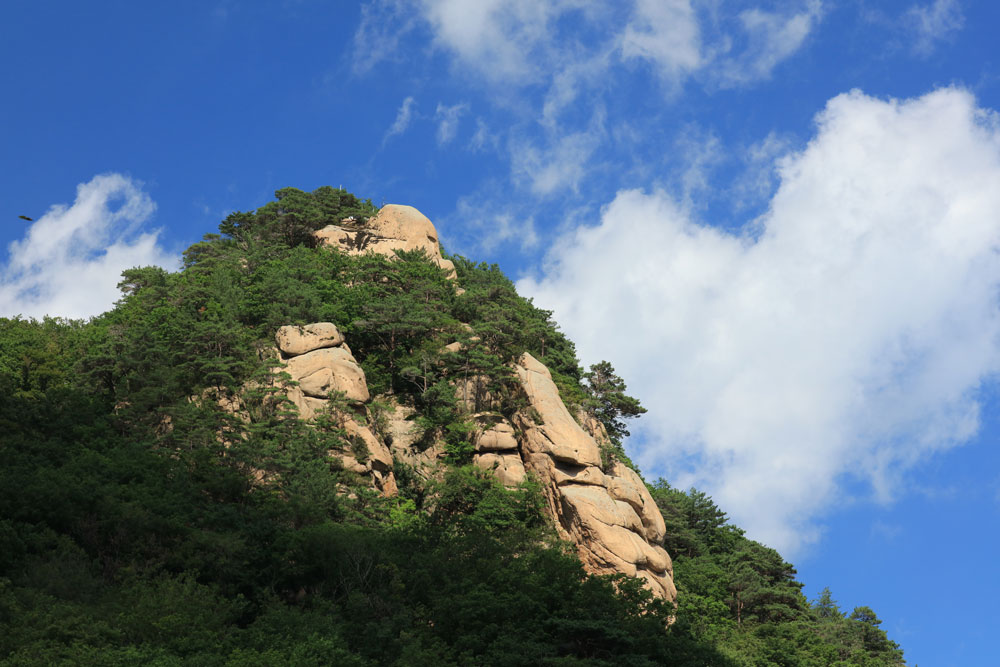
(294, 340)
(497, 450)
(611, 518)
(608, 514)
(556, 433)
(395, 227)
(319, 372)
(316, 357)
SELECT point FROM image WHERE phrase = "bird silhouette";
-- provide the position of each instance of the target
(24, 217)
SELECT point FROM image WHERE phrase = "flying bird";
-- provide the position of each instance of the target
(24, 217)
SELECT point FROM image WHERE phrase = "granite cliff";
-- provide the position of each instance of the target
(608, 514)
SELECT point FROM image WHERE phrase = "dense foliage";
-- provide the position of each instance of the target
(141, 523)
(742, 597)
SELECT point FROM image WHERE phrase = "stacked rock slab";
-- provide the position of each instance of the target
(395, 227)
(497, 449)
(611, 518)
(318, 360)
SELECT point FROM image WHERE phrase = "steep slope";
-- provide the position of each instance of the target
(290, 452)
(610, 517)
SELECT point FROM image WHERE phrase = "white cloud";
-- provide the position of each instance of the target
(699, 153)
(933, 23)
(560, 162)
(71, 259)
(403, 117)
(503, 40)
(773, 37)
(483, 138)
(487, 220)
(758, 180)
(844, 335)
(383, 24)
(567, 45)
(667, 34)
(448, 118)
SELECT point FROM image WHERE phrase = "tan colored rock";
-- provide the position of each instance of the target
(458, 345)
(608, 534)
(611, 518)
(395, 227)
(556, 433)
(497, 438)
(403, 437)
(349, 462)
(329, 369)
(588, 475)
(594, 504)
(561, 473)
(625, 484)
(386, 481)
(308, 406)
(472, 393)
(507, 466)
(378, 454)
(295, 340)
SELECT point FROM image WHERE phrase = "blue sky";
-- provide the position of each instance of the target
(777, 219)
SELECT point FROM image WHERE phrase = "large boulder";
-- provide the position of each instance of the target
(378, 455)
(328, 369)
(609, 514)
(507, 466)
(395, 227)
(553, 430)
(625, 484)
(294, 340)
(497, 438)
(609, 536)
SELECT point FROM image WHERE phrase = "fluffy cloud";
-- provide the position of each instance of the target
(843, 335)
(70, 259)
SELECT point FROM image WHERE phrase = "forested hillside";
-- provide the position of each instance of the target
(144, 521)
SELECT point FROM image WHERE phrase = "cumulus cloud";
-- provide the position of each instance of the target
(71, 258)
(843, 336)
(933, 23)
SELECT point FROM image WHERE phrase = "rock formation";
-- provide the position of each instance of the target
(395, 227)
(611, 517)
(607, 513)
(320, 363)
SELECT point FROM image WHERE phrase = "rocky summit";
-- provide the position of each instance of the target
(325, 441)
(608, 515)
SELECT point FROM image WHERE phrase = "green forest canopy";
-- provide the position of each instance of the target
(134, 530)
